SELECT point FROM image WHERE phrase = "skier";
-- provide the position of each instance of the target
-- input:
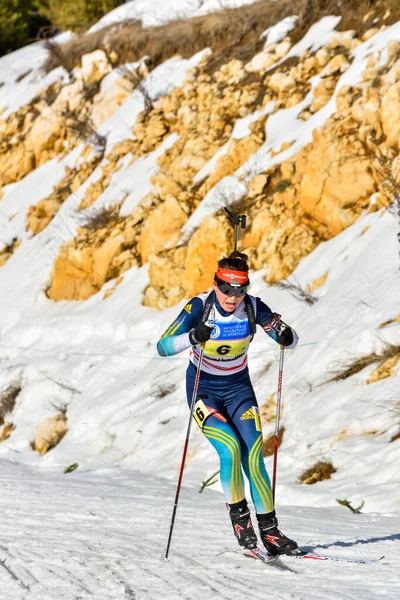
(226, 409)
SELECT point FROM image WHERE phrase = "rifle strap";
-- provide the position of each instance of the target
(208, 304)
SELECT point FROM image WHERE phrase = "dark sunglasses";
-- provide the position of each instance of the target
(228, 290)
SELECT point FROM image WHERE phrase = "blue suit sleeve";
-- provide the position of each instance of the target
(271, 322)
(176, 337)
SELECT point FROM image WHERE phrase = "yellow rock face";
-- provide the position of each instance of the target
(40, 215)
(317, 283)
(384, 370)
(338, 64)
(166, 269)
(95, 66)
(102, 251)
(46, 131)
(212, 241)
(107, 103)
(6, 431)
(15, 164)
(50, 432)
(257, 185)
(391, 115)
(162, 227)
(8, 251)
(312, 196)
(79, 273)
(72, 281)
(337, 181)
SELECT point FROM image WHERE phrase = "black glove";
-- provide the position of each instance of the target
(284, 335)
(201, 334)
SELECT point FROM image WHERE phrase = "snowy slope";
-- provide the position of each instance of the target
(103, 535)
(100, 532)
(159, 12)
(126, 405)
(22, 77)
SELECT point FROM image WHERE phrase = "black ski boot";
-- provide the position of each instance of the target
(242, 525)
(273, 539)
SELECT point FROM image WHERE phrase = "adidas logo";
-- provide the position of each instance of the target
(249, 414)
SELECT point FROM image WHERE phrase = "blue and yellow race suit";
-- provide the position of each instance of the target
(227, 410)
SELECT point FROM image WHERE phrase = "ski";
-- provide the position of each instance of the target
(260, 554)
(266, 558)
(315, 556)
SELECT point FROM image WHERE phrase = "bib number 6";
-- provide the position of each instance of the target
(223, 350)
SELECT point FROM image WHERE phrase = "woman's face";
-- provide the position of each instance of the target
(229, 303)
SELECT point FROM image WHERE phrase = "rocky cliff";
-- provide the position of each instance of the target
(217, 128)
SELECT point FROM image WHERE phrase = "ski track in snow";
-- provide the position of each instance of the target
(103, 535)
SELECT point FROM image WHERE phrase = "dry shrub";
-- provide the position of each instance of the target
(57, 55)
(353, 367)
(68, 55)
(297, 291)
(269, 442)
(8, 398)
(230, 33)
(103, 219)
(318, 472)
(386, 166)
(135, 79)
(83, 129)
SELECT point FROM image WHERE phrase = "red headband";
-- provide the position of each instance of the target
(230, 276)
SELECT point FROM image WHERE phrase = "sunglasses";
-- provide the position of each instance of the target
(228, 290)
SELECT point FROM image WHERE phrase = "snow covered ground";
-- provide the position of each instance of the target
(160, 12)
(97, 359)
(100, 532)
(103, 534)
(22, 75)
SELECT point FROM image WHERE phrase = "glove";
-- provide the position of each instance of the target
(284, 335)
(201, 334)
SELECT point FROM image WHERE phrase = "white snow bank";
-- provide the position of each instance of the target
(153, 13)
(277, 32)
(22, 77)
(241, 128)
(317, 36)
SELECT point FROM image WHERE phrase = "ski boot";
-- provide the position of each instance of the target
(242, 525)
(273, 539)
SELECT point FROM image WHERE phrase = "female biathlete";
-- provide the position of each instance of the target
(226, 409)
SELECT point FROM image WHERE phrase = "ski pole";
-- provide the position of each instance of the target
(278, 412)
(185, 448)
